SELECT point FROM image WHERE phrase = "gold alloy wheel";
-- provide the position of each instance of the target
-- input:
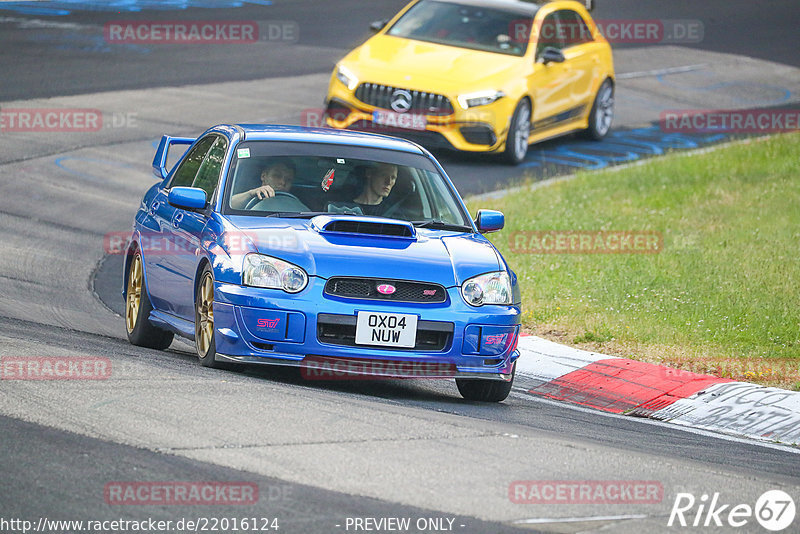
(134, 299)
(204, 329)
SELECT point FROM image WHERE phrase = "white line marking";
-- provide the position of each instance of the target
(659, 72)
(543, 520)
(39, 23)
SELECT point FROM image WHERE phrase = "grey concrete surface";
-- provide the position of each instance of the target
(409, 443)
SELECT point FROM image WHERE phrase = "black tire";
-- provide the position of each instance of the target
(602, 114)
(137, 311)
(475, 389)
(205, 333)
(519, 131)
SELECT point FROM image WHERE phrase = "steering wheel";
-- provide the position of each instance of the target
(397, 205)
(255, 200)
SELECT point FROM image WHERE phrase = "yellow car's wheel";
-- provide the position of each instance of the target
(602, 114)
(204, 338)
(519, 131)
(137, 310)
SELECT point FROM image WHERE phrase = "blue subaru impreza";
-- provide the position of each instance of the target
(345, 254)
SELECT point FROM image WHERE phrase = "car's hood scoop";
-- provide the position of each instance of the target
(376, 226)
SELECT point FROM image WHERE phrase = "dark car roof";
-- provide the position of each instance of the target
(303, 134)
(522, 7)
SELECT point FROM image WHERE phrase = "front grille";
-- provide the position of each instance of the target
(424, 103)
(367, 288)
(426, 138)
(432, 336)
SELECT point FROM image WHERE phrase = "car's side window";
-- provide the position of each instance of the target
(185, 174)
(550, 35)
(574, 28)
(208, 174)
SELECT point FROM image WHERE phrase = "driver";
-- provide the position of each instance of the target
(277, 176)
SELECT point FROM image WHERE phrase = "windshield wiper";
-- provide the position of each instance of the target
(296, 214)
(441, 225)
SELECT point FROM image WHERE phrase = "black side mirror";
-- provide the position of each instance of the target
(552, 55)
(378, 25)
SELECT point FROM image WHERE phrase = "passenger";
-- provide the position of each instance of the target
(277, 176)
(378, 183)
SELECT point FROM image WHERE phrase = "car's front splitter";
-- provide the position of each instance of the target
(323, 368)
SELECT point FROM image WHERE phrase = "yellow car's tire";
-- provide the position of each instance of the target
(519, 131)
(602, 114)
(137, 310)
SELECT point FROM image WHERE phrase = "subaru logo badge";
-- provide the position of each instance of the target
(386, 289)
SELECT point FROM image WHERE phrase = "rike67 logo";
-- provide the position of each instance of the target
(774, 510)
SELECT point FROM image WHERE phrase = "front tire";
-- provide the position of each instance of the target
(519, 131)
(137, 311)
(476, 389)
(602, 114)
(204, 331)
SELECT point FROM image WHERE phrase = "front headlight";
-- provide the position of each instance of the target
(347, 77)
(272, 273)
(489, 288)
(480, 98)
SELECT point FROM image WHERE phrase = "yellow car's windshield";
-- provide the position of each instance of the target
(464, 25)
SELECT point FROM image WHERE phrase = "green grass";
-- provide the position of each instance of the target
(726, 283)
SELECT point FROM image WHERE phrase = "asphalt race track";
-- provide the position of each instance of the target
(319, 453)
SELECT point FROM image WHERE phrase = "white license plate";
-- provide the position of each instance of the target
(386, 329)
(408, 121)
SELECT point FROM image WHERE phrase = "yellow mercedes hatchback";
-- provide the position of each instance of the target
(478, 75)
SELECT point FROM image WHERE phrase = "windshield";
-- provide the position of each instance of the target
(465, 26)
(303, 179)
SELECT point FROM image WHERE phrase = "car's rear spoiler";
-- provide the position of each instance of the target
(162, 153)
